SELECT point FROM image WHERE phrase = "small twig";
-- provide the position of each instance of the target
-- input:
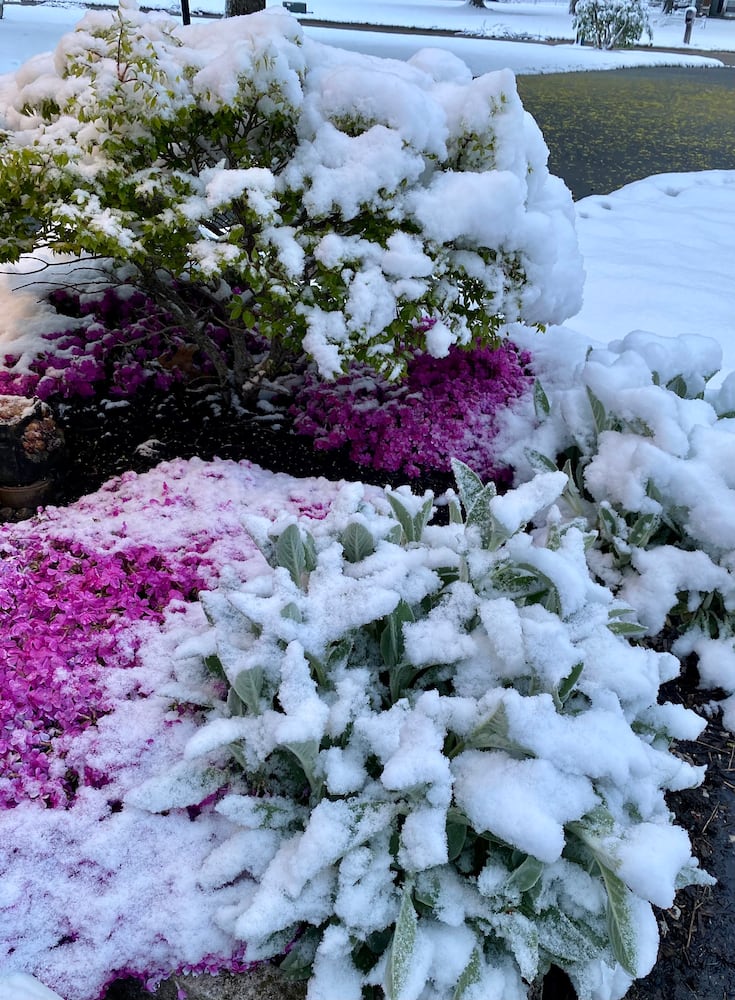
(711, 817)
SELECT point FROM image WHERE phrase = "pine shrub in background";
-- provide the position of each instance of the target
(610, 24)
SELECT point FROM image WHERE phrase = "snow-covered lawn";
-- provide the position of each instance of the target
(657, 444)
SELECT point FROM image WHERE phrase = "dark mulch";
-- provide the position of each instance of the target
(697, 959)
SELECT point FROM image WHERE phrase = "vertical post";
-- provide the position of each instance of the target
(691, 13)
(185, 15)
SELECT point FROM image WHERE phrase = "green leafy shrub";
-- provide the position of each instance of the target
(610, 24)
(445, 766)
(314, 181)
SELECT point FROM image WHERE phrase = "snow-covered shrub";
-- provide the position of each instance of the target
(649, 449)
(443, 408)
(240, 153)
(608, 24)
(446, 767)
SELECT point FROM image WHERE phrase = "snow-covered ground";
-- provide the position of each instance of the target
(659, 256)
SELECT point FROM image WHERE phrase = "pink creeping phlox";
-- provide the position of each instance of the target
(124, 343)
(64, 609)
(444, 408)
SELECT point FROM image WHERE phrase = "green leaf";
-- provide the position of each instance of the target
(599, 414)
(567, 685)
(493, 734)
(527, 874)
(235, 704)
(627, 629)
(422, 518)
(620, 926)
(395, 535)
(214, 666)
(310, 556)
(691, 875)
(292, 612)
(678, 385)
(402, 948)
(357, 542)
(307, 753)
(297, 964)
(237, 752)
(391, 639)
(455, 511)
(541, 403)
(456, 837)
(403, 517)
(643, 530)
(540, 462)
(247, 685)
(468, 482)
(492, 532)
(291, 554)
(470, 976)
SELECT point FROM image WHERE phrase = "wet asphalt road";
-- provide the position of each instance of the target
(606, 129)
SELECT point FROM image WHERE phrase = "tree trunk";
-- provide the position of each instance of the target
(235, 7)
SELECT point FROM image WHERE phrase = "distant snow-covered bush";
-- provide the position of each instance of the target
(609, 24)
(443, 408)
(314, 179)
(451, 762)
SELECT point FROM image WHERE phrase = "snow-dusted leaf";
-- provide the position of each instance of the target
(540, 462)
(307, 754)
(247, 685)
(297, 964)
(567, 940)
(599, 414)
(404, 518)
(470, 976)
(357, 542)
(468, 482)
(422, 518)
(620, 625)
(310, 556)
(541, 403)
(492, 533)
(643, 530)
(691, 875)
(402, 948)
(186, 783)
(455, 511)
(567, 685)
(291, 554)
(292, 612)
(527, 874)
(678, 385)
(391, 639)
(620, 926)
(493, 734)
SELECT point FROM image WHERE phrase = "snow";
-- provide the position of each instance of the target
(648, 253)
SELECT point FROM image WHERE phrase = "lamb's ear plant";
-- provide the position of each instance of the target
(649, 483)
(440, 775)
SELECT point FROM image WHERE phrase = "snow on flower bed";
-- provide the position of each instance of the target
(77, 896)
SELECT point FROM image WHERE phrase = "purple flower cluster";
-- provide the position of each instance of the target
(123, 343)
(64, 610)
(444, 408)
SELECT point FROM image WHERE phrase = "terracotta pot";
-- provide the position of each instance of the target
(31, 442)
(30, 496)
